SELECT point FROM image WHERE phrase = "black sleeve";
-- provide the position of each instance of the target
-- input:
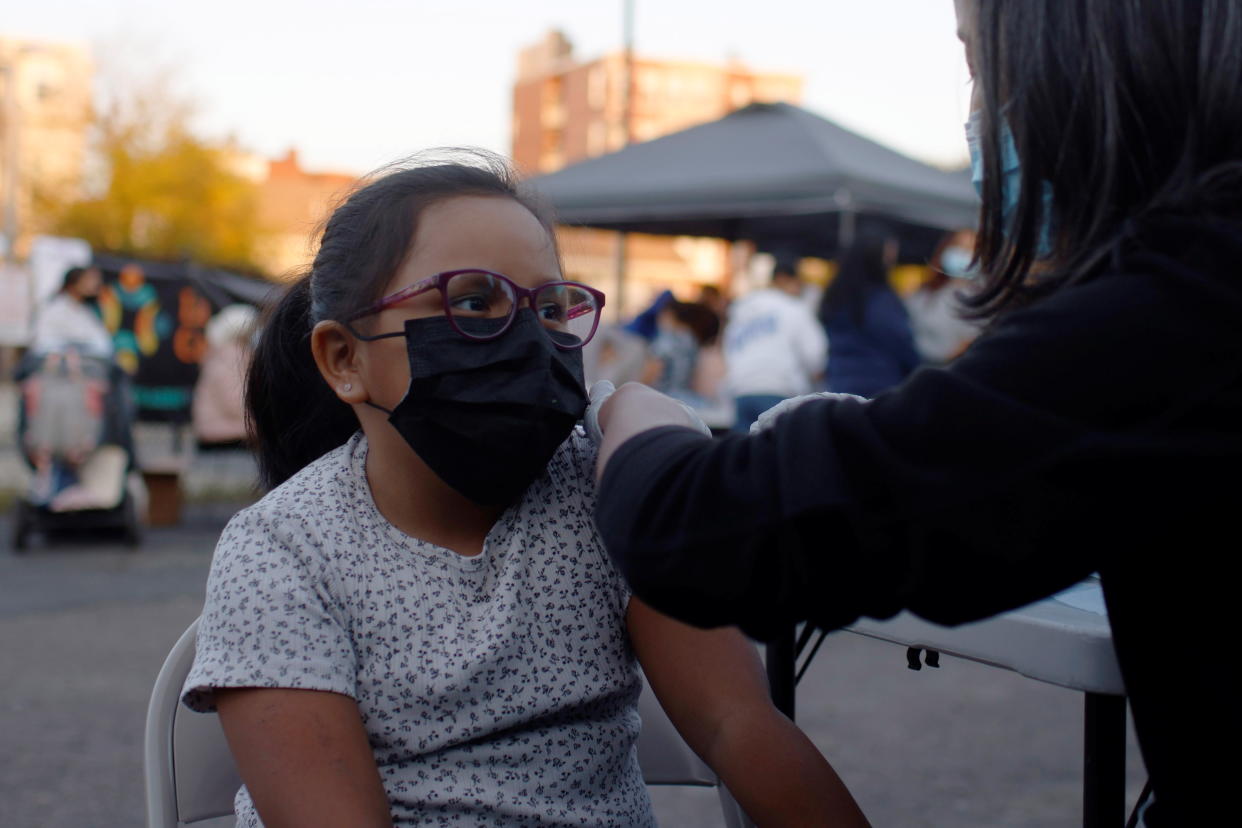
(965, 492)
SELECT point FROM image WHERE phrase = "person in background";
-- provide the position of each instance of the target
(218, 410)
(74, 414)
(71, 320)
(646, 324)
(773, 347)
(685, 329)
(1095, 427)
(715, 299)
(621, 353)
(709, 372)
(937, 315)
(867, 324)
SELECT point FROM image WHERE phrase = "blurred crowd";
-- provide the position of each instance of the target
(729, 359)
(732, 359)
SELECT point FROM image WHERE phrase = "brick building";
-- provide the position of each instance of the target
(293, 202)
(45, 110)
(566, 110)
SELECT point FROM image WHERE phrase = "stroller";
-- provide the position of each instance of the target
(74, 432)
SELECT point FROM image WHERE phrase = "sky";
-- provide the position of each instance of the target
(355, 84)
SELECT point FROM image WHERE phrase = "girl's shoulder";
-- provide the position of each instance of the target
(573, 464)
(322, 492)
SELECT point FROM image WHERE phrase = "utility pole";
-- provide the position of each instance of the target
(627, 126)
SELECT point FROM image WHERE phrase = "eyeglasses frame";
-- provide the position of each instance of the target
(440, 281)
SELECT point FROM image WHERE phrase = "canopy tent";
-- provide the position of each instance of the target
(773, 173)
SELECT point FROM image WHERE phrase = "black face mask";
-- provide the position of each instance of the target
(488, 416)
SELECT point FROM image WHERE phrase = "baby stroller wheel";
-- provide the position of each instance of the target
(21, 526)
(132, 531)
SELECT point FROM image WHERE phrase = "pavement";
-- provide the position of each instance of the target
(85, 626)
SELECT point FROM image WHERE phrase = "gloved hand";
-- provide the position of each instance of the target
(696, 420)
(604, 389)
(599, 392)
(767, 418)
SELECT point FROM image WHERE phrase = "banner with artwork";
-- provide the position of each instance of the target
(157, 314)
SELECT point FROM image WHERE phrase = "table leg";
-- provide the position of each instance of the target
(781, 660)
(1104, 761)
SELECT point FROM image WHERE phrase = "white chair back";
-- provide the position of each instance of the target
(190, 775)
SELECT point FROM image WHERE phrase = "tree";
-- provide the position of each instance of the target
(161, 191)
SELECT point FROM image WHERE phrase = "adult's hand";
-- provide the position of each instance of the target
(768, 418)
(598, 395)
(633, 409)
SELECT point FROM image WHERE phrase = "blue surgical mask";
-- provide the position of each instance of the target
(955, 263)
(1011, 184)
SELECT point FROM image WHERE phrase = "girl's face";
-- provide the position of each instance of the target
(487, 232)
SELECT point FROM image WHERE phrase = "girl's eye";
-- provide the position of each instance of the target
(471, 303)
(551, 312)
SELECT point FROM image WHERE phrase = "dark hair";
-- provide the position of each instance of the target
(1127, 110)
(785, 269)
(702, 321)
(860, 272)
(293, 415)
(74, 275)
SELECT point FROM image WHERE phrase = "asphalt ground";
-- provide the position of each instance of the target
(85, 625)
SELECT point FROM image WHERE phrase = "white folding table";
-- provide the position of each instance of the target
(1064, 640)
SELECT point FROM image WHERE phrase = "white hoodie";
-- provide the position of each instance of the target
(773, 345)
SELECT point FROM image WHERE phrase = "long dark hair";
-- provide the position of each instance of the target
(293, 415)
(860, 272)
(1128, 110)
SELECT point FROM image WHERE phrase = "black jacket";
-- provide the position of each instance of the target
(1097, 430)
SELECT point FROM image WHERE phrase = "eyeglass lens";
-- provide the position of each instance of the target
(564, 308)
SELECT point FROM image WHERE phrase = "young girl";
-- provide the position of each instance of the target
(418, 624)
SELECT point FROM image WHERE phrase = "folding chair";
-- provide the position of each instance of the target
(666, 759)
(190, 776)
(191, 779)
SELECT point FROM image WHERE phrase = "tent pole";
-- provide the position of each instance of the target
(846, 220)
(617, 299)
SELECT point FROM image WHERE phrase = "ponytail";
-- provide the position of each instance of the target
(292, 414)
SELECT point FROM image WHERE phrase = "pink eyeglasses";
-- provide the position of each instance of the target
(562, 307)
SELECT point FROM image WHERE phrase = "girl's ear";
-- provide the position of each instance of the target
(336, 355)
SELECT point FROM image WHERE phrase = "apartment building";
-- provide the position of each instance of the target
(566, 109)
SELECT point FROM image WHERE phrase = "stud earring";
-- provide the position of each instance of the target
(347, 387)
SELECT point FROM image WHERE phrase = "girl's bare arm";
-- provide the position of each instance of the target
(712, 685)
(304, 757)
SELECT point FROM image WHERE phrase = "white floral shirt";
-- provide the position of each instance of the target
(496, 690)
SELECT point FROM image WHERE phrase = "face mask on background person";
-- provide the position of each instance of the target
(1011, 184)
(955, 263)
(487, 416)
